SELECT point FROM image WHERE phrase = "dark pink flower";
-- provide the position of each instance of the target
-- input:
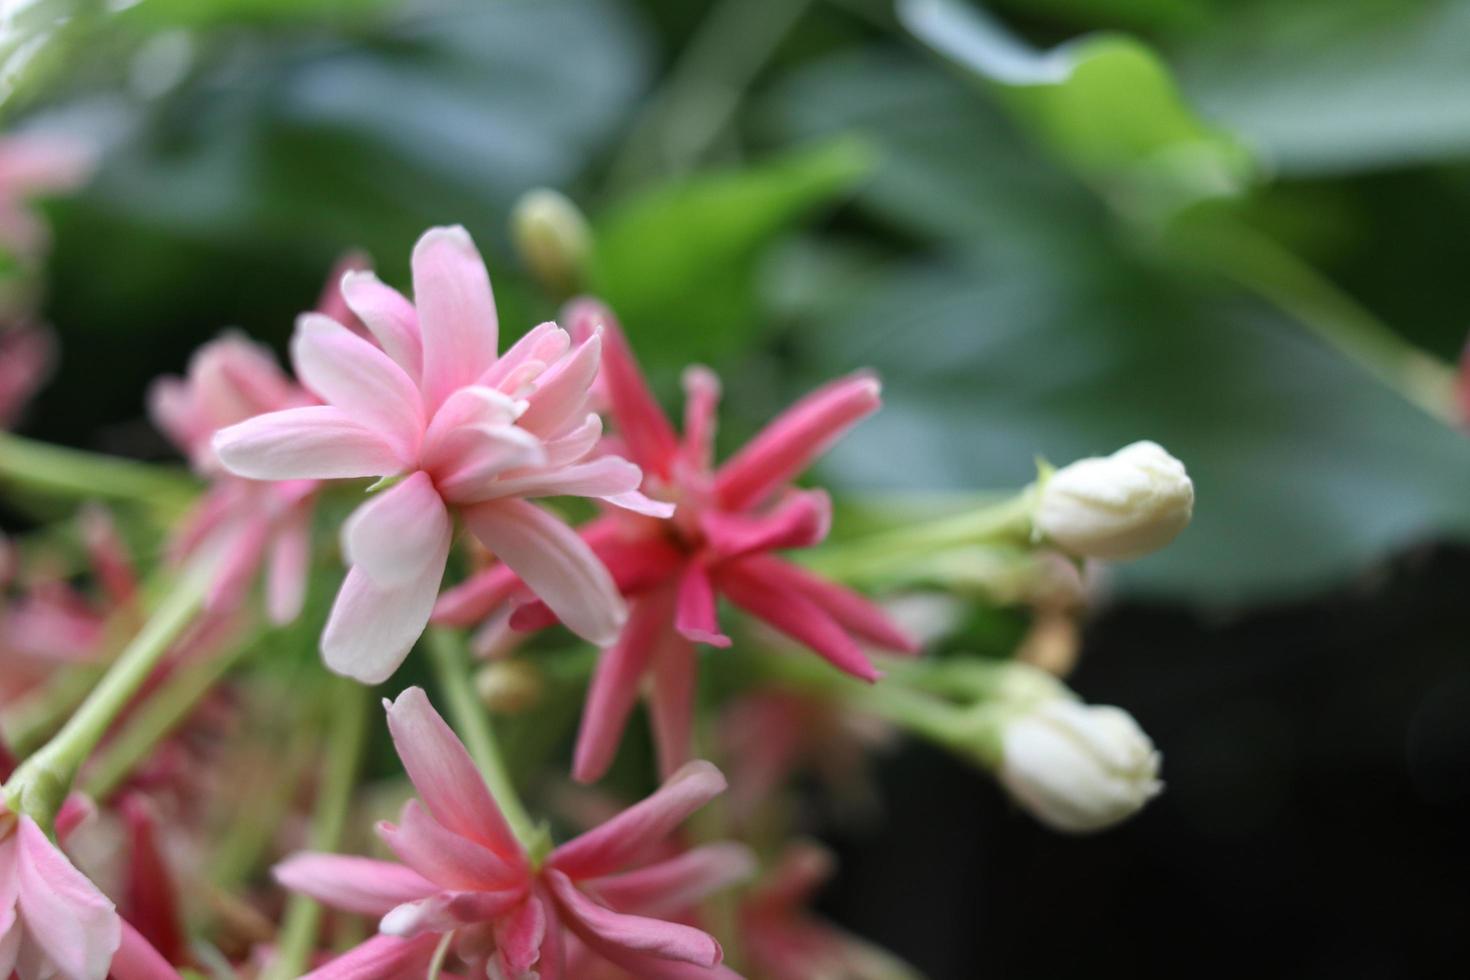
(731, 521)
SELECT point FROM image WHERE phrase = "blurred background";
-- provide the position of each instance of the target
(1054, 227)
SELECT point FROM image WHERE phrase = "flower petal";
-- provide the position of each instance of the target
(456, 308)
(799, 521)
(389, 316)
(477, 597)
(636, 831)
(695, 615)
(381, 958)
(136, 959)
(853, 612)
(555, 563)
(671, 702)
(357, 885)
(288, 568)
(477, 455)
(674, 886)
(445, 776)
(520, 935)
(614, 686)
(544, 343)
(794, 439)
(560, 399)
(318, 442)
(64, 913)
(395, 537)
(450, 860)
(576, 443)
(795, 615)
(467, 408)
(372, 628)
(605, 476)
(353, 375)
(665, 940)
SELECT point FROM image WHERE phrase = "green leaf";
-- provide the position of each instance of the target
(1106, 103)
(678, 262)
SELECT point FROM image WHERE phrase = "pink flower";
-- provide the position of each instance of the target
(53, 921)
(463, 872)
(32, 165)
(26, 355)
(239, 525)
(460, 429)
(731, 520)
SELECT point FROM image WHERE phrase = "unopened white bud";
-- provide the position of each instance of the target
(1121, 506)
(553, 239)
(1079, 768)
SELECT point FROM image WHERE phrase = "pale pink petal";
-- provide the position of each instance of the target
(456, 310)
(554, 562)
(605, 476)
(171, 409)
(9, 884)
(638, 503)
(544, 343)
(552, 964)
(701, 405)
(448, 911)
(696, 616)
(477, 455)
(574, 445)
(474, 599)
(671, 702)
(853, 612)
(560, 400)
(641, 422)
(388, 316)
(614, 686)
(289, 565)
(357, 885)
(108, 555)
(318, 442)
(450, 860)
(330, 301)
(381, 958)
(241, 554)
(655, 937)
(797, 616)
(398, 535)
(520, 935)
(372, 628)
(467, 408)
(674, 886)
(64, 913)
(10, 939)
(794, 439)
(353, 375)
(635, 832)
(445, 776)
(136, 959)
(801, 520)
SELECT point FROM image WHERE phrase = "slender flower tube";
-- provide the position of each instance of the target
(1122, 506)
(732, 520)
(460, 430)
(462, 872)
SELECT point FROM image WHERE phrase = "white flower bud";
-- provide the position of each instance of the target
(1078, 768)
(1121, 506)
(553, 239)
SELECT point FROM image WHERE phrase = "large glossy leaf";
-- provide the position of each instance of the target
(1068, 339)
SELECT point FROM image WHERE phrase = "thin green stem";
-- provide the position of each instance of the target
(75, 473)
(346, 739)
(168, 707)
(43, 780)
(449, 657)
(1255, 261)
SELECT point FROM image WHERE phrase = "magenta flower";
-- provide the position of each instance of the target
(731, 520)
(239, 525)
(463, 872)
(460, 430)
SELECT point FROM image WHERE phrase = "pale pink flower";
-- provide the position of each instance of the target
(461, 430)
(730, 522)
(53, 921)
(26, 355)
(463, 872)
(33, 165)
(239, 525)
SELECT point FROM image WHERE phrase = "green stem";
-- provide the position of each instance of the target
(346, 739)
(447, 653)
(83, 475)
(1258, 263)
(705, 86)
(168, 707)
(1006, 521)
(41, 783)
(38, 715)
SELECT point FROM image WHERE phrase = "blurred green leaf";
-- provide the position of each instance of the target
(1032, 326)
(1106, 103)
(677, 262)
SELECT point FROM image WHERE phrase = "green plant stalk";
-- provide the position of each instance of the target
(447, 653)
(75, 473)
(1238, 252)
(346, 740)
(169, 706)
(41, 783)
(1008, 520)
